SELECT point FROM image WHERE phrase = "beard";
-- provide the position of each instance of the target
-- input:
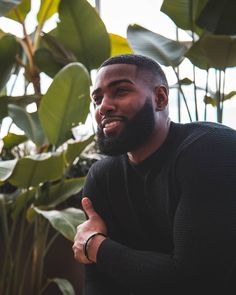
(134, 134)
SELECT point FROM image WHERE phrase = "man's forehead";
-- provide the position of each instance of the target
(115, 71)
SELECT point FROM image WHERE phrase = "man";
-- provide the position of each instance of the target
(161, 207)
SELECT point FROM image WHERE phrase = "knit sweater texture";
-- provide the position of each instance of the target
(171, 219)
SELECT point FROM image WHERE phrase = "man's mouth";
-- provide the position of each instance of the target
(112, 125)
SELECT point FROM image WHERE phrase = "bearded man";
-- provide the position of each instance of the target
(161, 206)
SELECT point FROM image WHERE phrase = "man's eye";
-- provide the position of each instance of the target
(97, 100)
(121, 91)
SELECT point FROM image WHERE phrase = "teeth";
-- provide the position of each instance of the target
(111, 124)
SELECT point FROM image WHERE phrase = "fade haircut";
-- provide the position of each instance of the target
(142, 63)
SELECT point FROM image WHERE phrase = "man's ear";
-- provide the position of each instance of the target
(161, 98)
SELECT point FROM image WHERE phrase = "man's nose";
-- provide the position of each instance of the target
(107, 105)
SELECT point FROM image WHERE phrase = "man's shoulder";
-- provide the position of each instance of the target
(107, 164)
(207, 127)
(203, 134)
(198, 129)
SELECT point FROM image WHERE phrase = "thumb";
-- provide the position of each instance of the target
(88, 207)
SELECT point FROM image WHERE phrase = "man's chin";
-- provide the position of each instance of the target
(108, 135)
(109, 145)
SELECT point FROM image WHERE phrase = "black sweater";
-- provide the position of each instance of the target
(171, 219)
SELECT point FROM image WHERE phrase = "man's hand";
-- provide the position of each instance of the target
(85, 230)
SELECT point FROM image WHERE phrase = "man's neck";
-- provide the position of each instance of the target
(156, 140)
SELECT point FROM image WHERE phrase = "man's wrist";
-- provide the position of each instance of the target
(92, 244)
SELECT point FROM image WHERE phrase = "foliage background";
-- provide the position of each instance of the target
(44, 166)
(157, 21)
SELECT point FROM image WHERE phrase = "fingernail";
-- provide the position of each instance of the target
(85, 201)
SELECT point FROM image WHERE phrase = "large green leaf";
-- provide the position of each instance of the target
(212, 51)
(11, 140)
(52, 56)
(82, 31)
(7, 5)
(119, 45)
(218, 17)
(57, 48)
(47, 9)
(47, 62)
(24, 200)
(184, 12)
(165, 51)
(64, 221)
(75, 149)
(36, 169)
(58, 193)
(17, 100)
(22, 10)
(28, 122)
(6, 169)
(8, 50)
(66, 103)
(64, 285)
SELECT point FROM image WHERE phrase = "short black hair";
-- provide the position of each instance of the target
(141, 61)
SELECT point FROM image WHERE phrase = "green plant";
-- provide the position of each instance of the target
(35, 168)
(211, 27)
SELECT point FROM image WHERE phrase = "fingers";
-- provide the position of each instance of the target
(88, 207)
(78, 253)
(92, 225)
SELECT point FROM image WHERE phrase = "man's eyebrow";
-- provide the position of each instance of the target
(115, 82)
(112, 84)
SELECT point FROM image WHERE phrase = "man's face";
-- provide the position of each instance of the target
(124, 109)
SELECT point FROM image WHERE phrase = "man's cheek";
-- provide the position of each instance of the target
(98, 117)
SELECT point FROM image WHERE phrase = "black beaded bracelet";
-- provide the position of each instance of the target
(85, 245)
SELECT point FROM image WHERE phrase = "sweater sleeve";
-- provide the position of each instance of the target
(98, 282)
(204, 229)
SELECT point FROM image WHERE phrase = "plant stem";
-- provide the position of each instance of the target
(8, 269)
(29, 50)
(5, 231)
(18, 98)
(40, 25)
(3, 214)
(206, 92)
(8, 260)
(34, 258)
(24, 280)
(40, 238)
(195, 92)
(44, 288)
(9, 127)
(43, 235)
(27, 39)
(51, 241)
(178, 73)
(194, 68)
(184, 98)
(17, 260)
(219, 97)
(223, 96)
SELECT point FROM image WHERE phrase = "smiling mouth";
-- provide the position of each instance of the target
(112, 126)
